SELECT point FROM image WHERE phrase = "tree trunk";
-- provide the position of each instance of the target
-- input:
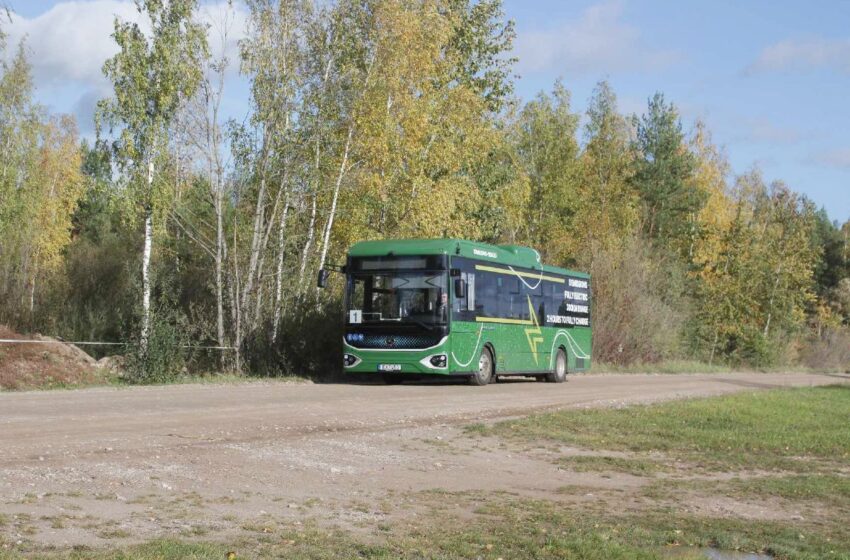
(264, 248)
(219, 258)
(257, 236)
(770, 304)
(146, 264)
(237, 308)
(713, 347)
(255, 241)
(281, 239)
(330, 223)
(32, 300)
(342, 169)
(310, 233)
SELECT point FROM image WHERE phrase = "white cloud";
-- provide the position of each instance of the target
(839, 158)
(68, 44)
(72, 40)
(803, 54)
(598, 42)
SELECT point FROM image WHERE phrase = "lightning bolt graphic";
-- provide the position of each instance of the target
(533, 341)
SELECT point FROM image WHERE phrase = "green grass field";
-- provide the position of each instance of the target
(793, 429)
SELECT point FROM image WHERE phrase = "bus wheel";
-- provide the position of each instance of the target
(393, 378)
(485, 369)
(559, 375)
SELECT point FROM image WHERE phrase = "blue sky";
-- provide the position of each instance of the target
(770, 79)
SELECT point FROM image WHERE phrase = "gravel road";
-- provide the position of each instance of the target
(124, 459)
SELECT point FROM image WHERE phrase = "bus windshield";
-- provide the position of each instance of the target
(400, 296)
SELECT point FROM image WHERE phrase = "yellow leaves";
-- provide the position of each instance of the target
(419, 136)
(53, 191)
(752, 254)
(607, 205)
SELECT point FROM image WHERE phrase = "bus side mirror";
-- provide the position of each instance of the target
(460, 288)
(322, 281)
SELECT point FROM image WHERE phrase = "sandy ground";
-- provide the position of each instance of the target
(105, 465)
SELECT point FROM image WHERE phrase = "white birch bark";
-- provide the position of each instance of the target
(237, 311)
(310, 234)
(256, 238)
(219, 260)
(281, 241)
(330, 223)
(146, 264)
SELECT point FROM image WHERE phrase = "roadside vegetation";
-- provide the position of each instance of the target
(666, 366)
(182, 227)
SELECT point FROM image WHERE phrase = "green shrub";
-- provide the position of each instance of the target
(166, 354)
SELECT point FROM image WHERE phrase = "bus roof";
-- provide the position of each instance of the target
(513, 255)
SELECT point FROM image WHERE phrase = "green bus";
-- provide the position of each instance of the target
(458, 308)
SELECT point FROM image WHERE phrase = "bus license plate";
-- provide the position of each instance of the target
(389, 367)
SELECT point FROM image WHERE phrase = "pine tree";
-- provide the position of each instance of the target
(662, 175)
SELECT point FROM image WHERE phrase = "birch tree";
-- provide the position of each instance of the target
(40, 186)
(152, 72)
(204, 130)
(271, 58)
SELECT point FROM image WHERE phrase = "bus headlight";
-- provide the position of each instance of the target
(437, 361)
(350, 360)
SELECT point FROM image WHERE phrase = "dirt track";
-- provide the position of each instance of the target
(141, 462)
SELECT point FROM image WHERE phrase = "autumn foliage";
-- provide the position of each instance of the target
(381, 119)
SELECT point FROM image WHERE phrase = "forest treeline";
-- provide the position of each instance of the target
(179, 227)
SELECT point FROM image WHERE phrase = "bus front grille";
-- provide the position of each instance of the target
(396, 341)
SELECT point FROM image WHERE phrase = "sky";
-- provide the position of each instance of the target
(771, 79)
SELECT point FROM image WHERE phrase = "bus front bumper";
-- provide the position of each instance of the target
(431, 361)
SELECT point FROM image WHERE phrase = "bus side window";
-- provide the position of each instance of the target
(463, 309)
(469, 277)
(553, 291)
(487, 294)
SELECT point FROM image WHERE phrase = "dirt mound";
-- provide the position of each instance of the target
(36, 365)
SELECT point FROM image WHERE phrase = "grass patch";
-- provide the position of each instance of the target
(608, 463)
(694, 366)
(791, 429)
(505, 528)
(114, 534)
(830, 491)
(670, 366)
(100, 377)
